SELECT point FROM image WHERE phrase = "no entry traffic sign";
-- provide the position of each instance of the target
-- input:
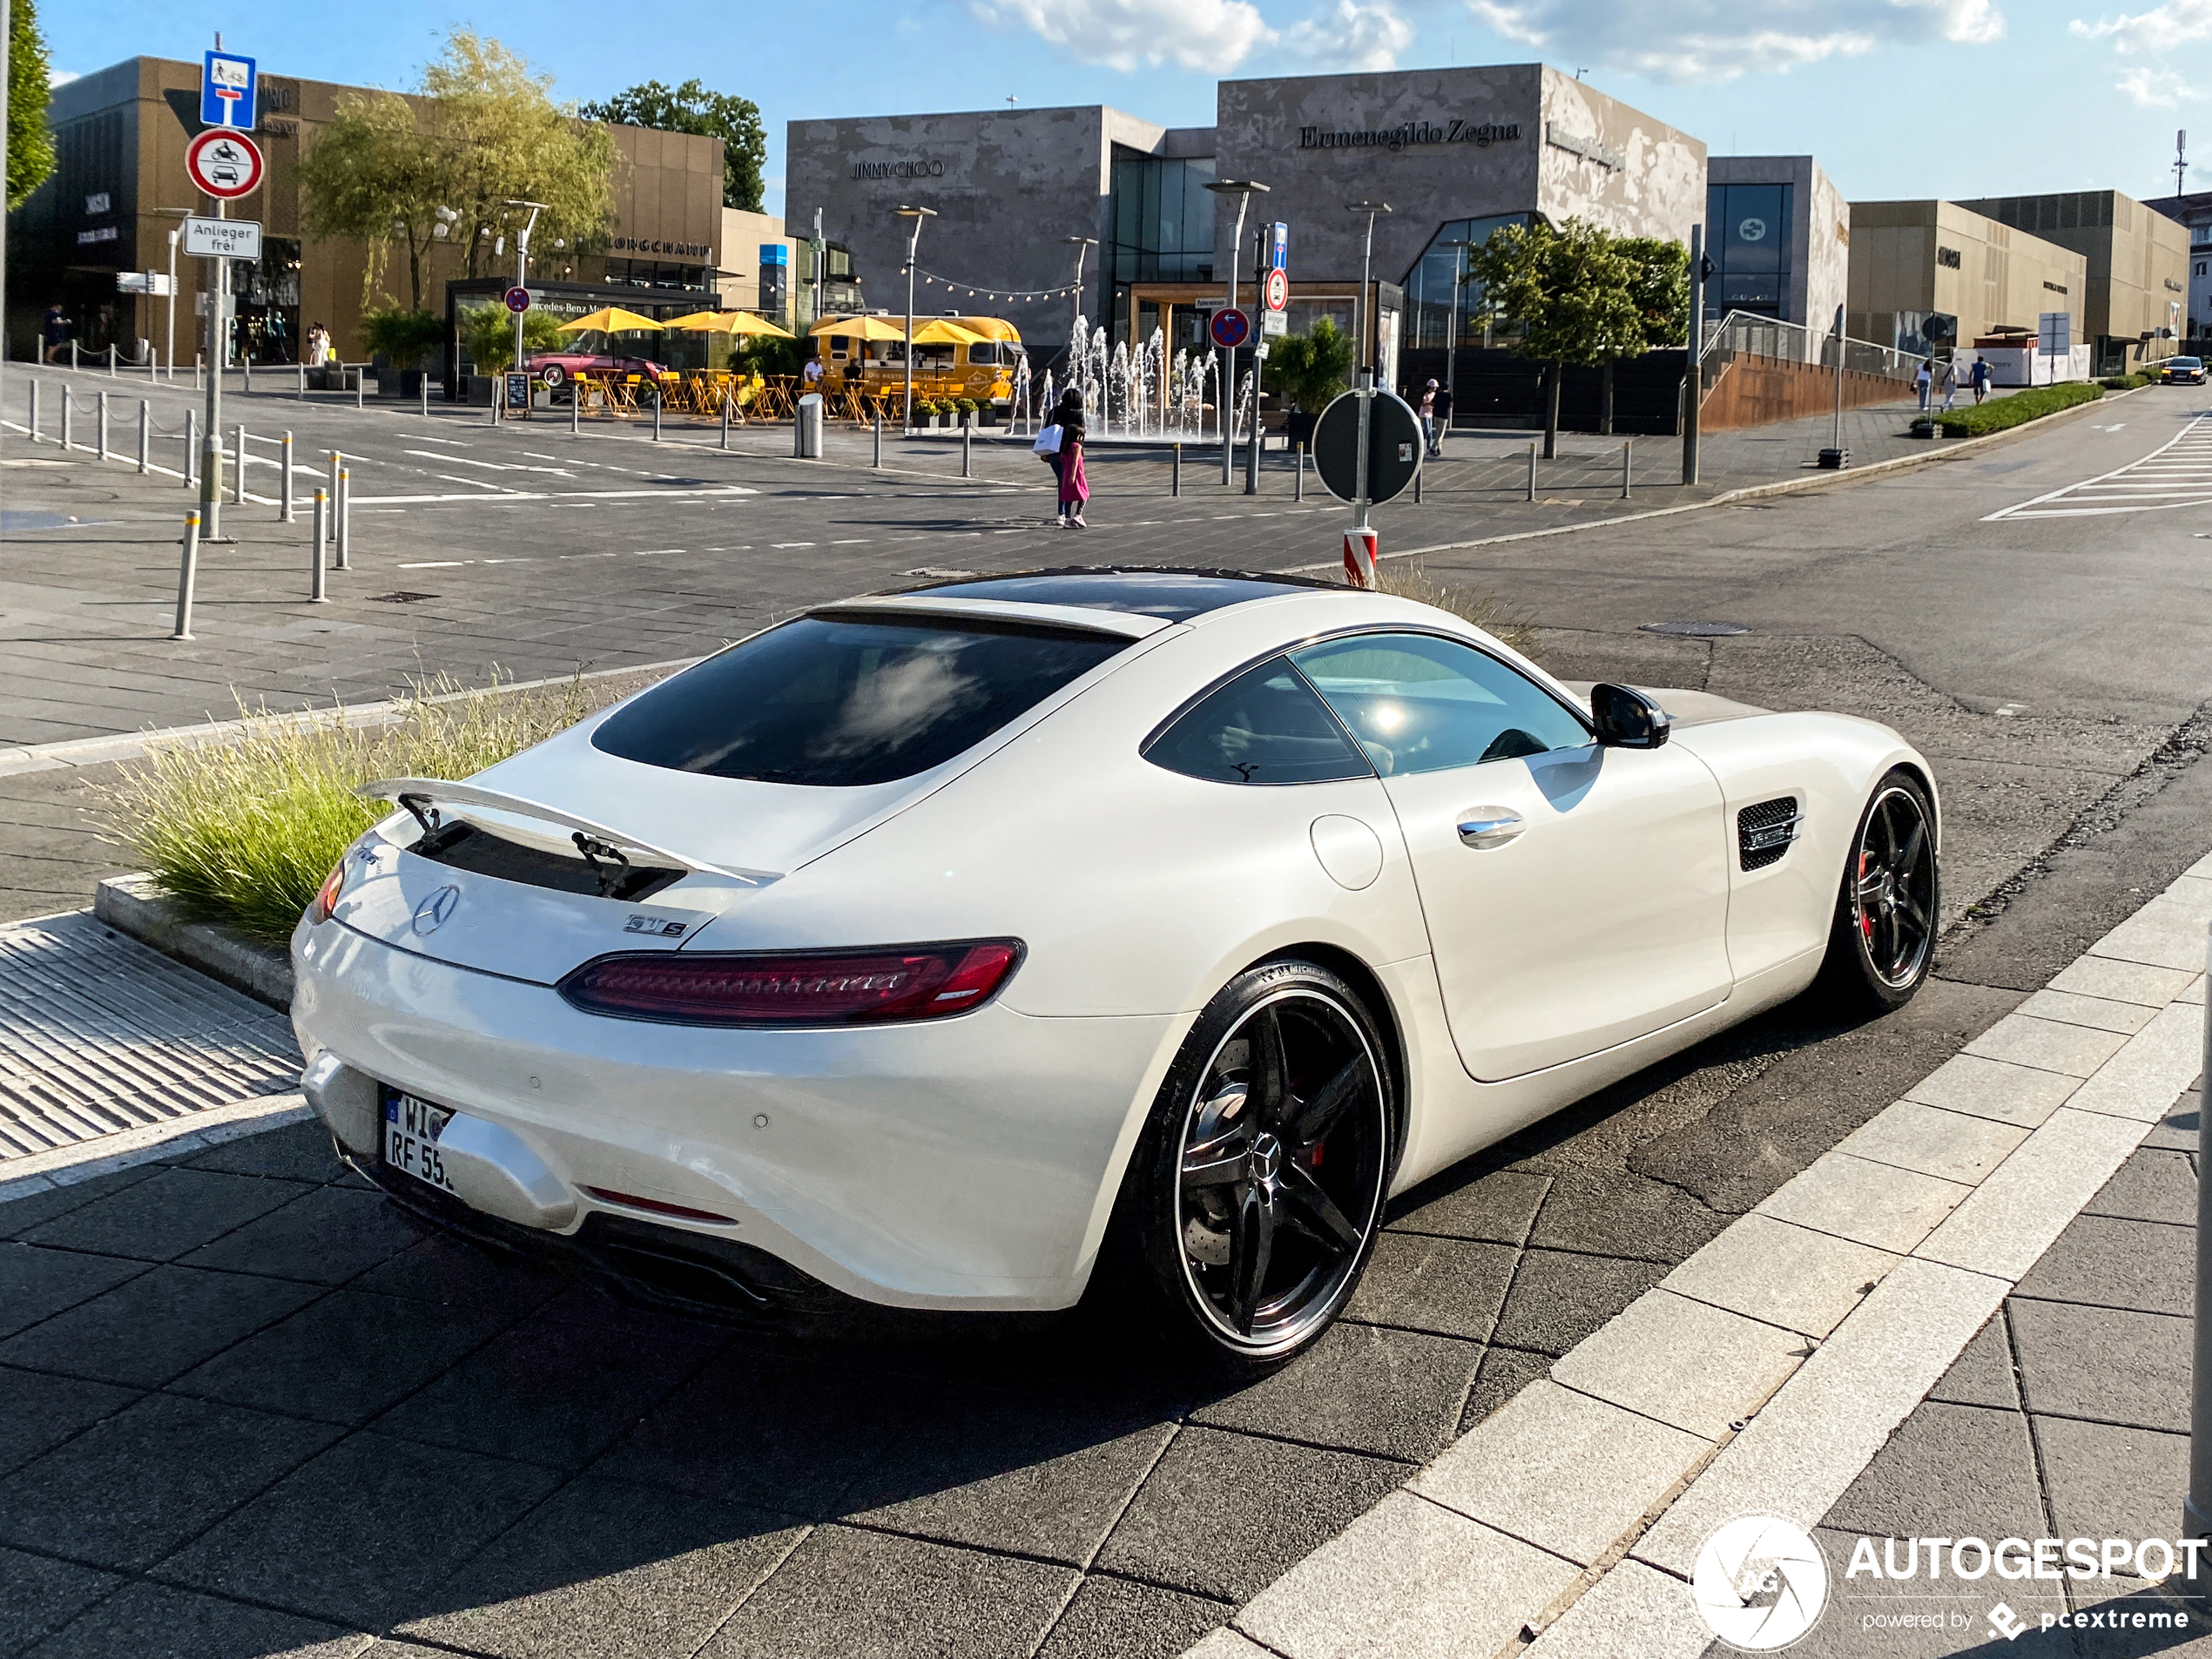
(225, 165)
(518, 300)
(1230, 329)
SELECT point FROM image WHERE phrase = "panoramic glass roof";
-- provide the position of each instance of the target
(1175, 595)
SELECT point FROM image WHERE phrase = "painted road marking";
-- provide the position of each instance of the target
(2170, 464)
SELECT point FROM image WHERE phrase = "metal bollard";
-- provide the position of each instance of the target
(199, 371)
(967, 464)
(1532, 472)
(1297, 491)
(103, 422)
(187, 572)
(345, 517)
(1418, 471)
(110, 360)
(238, 465)
(878, 461)
(575, 410)
(336, 462)
(727, 402)
(361, 388)
(1175, 471)
(35, 438)
(498, 392)
(1626, 469)
(657, 411)
(72, 357)
(285, 492)
(422, 390)
(145, 435)
(192, 449)
(302, 393)
(322, 530)
(69, 427)
(246, 361)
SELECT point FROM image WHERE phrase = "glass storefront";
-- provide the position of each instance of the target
(1430, 304)
(1160, 225)
(1749, 235)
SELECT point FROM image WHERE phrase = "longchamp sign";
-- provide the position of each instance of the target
(1480, 133)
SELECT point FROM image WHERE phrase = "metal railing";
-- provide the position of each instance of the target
(1744, 334)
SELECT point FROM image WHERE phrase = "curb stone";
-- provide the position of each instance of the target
(129, 904)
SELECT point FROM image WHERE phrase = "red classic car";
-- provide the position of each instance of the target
(557, 369)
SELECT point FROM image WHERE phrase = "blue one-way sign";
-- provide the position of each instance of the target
(227, 90)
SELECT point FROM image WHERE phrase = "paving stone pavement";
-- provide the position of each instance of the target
(2067, 1416)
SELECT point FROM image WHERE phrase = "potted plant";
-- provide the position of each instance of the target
(1308, 369)
(967, 405)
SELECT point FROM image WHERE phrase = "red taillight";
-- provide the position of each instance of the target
(327, 895)
(659, 1206)
(796, 988)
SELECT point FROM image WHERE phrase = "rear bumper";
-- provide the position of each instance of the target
(962, 1163)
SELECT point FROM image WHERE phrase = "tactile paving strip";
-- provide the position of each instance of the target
(98, 1034)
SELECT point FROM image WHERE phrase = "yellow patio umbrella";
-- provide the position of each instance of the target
(860, 328)
(943, 332)
(729, 322)
(609, 319)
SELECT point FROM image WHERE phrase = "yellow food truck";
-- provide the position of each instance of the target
(971, 357)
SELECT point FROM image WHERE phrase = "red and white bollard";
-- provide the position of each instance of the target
(1359, 557)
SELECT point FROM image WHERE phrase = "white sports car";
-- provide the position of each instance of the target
(950, 948)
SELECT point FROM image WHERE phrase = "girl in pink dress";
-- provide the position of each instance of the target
(1074, 487)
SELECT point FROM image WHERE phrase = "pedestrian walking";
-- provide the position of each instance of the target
(1923, 378)
(1981, 379)
(1075, 485)
(1428, 417)
(1950, 383)
(56, 333)
(1442, 403)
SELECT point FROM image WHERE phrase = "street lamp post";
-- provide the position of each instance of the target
(913, 245)
(1373, 210)
(1083, 245)
(521, 276)
(1242, 189)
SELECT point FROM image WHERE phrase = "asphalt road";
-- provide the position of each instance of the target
(2053, 667)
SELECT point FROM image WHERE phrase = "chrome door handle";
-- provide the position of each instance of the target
(1482, 826)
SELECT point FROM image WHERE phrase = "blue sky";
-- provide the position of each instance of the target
(1895, 97)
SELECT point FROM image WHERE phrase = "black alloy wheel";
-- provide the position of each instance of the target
(1883, 943)
(1259, 1190)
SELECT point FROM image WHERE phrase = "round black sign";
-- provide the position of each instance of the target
(1393, 446)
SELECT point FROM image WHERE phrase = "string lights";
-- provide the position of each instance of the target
(1015, 295)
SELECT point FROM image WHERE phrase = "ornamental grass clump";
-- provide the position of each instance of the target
(1486, 610)
(241, 832)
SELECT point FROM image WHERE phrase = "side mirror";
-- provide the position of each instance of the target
(1625, 718)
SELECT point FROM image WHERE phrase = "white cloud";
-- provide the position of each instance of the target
(1720, 40)
(2161, 28)
(2157, 88)
(61, 76)
(1211, 36)
(1354, 37)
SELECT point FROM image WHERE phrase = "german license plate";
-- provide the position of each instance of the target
(411, 1129)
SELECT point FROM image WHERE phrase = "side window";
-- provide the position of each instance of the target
(1420, 704)
(1264, 726)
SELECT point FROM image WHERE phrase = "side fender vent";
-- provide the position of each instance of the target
(1764, 833)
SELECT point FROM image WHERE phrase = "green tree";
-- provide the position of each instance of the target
(442, 167)
(1571, 290)
(1312, 367)
(488, 331)
(30, 142)
(691, 108)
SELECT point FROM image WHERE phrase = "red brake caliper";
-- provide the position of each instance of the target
(1865, 921)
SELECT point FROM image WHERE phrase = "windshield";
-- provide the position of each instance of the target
(840, 702)
(2185, 362)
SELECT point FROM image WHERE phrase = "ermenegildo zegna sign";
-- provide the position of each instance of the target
(1482, 133)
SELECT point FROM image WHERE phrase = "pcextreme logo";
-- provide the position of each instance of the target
(1760, 1582)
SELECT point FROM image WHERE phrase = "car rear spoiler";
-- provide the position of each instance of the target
(418, 795)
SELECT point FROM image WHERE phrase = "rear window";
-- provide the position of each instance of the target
(1264, 726)
(846, 701)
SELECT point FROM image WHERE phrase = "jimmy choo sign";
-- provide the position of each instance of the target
(1480, 133)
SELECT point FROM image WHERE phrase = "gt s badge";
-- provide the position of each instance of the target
(659, 927)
